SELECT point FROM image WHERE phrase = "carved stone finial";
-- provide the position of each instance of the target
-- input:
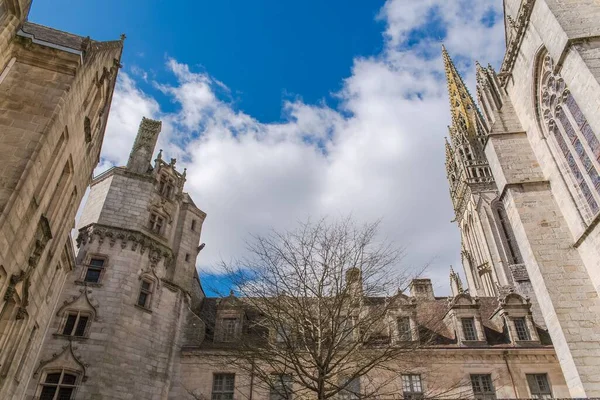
(159, 156)
(85, 43)
(173, 161)
(123, 37)
(184, 172)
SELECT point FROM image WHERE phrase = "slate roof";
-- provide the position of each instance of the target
(53, 36)
(430, 314)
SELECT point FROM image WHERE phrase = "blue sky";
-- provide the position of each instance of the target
(286, 110)
(264, 50)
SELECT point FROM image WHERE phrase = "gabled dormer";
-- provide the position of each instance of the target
(403, 319)
(168, 181)
(229, 321)
(464, 318)
(514, 313)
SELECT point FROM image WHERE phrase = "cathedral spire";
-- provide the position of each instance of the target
(462, 106)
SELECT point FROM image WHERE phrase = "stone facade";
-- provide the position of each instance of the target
(55, 95)
(541, 123)
(133, 282)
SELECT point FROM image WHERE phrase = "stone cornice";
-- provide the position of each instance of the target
(512, 48)
(123, 171)
(157, 251)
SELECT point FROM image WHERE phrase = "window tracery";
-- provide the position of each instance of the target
(578, 144)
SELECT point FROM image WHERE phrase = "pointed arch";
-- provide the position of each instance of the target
(573, 143)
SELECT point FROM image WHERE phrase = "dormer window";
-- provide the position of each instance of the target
(468, 325)
(229, 329)
(76, 324)
(155, 224)
(166, 186)
(521, 329)
(404, 330)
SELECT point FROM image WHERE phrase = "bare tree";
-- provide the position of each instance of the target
(322, 306)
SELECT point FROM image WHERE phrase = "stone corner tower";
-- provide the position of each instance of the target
(134, 285)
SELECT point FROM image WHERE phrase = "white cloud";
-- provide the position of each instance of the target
(384, 161)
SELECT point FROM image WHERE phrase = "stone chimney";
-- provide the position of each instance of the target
(354, 281)
(141, 154)
(422, 289)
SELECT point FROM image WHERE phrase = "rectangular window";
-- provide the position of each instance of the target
(411, 387)
(193, 224)
(229, 326)
(521, 328)
(58, 386)
(187, 257)
(145, 294)
(482, 387)
(156, 223)
(223, 386)
(94, 270)
(281, 387)
(539, 386)
(75, 324)
(350, 388)
(404, 331)
(468, 325)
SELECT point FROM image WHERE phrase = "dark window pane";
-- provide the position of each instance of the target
(97, 262)
(65, 393)
(142, 299)
(404, 332)
(145, 285)
(53, 378)
(69, 325)
(69, 379)
(48, 392)
(83, 320)
(92, 275)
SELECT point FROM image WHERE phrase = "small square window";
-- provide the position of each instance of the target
(468, 325)
(145, 294)
(156, 222)
(412, 387)
(483, 389)
(223, 386)
(229, 329)
(281, 387)
(404, 331)
(539, 386)
(76, 324)
(521, 328)
(94, 270)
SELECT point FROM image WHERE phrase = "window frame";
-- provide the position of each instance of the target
(76, 324)
(521, 329)
(412, 386)
(223, 393)
(283, 381)
(481, 380)
(539, 394)
(42, 384)
(226, 335)
(474, 337)
(148, 292)
(407, 335)
(153, 222)
(88, 265)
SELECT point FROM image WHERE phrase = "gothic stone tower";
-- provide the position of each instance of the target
(542, 120)
(55, 94)
(489, 252)
(117, 330)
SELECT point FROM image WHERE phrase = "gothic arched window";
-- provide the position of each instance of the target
(513, 254)
(573, 137)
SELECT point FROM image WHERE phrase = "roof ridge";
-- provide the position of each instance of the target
(50, 28)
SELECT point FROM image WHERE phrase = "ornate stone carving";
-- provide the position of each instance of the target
(42, 236)
(87, 129)
(512, 48)
(156, 250)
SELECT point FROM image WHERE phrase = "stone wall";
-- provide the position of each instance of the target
(42, 93)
